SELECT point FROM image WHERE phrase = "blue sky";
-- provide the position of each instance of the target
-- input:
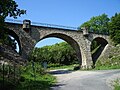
(65, 12)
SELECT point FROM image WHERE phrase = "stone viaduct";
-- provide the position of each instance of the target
(28, 35)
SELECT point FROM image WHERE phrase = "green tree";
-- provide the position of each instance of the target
(94, 45)
(7, 8)
(97, 24)
(114, 28)
(60, 53)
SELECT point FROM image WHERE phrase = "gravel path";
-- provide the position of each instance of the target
(85, 80)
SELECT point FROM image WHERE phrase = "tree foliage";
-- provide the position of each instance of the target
(114, 27)
(60, 53)
(7, 8)
(94, 45)
(98, 24)
(10, 8)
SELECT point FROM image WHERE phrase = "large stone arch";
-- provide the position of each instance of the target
(69, 40)
(103, 42)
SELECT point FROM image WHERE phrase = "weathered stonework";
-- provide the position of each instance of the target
(8, 55)
(80, 43)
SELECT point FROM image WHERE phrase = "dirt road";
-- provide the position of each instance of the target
(84, 80)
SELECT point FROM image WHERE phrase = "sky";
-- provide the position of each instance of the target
(65, 12)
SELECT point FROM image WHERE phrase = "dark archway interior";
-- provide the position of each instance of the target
(15, 36)
(70, 41)
(101, 42)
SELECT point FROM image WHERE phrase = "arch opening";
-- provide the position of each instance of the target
(97, 47)
(14, 41)
(71, 42)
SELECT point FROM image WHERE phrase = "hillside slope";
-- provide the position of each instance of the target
(110, 58)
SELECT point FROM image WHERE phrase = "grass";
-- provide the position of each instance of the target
(57, 66)
(106, 67)
(27, 82)
(99, 66)
(40, 82)
(35, 78)
(112, 61)
(29, 79)
(117, 84)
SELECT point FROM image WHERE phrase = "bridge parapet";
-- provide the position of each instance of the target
(43, 24)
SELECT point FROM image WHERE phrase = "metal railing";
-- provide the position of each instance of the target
(43, 24)
(56, 26)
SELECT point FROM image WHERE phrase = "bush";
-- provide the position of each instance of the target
(34, 78)
(110, 63)
(117, 84)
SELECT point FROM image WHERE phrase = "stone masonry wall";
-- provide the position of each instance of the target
(76, 39)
